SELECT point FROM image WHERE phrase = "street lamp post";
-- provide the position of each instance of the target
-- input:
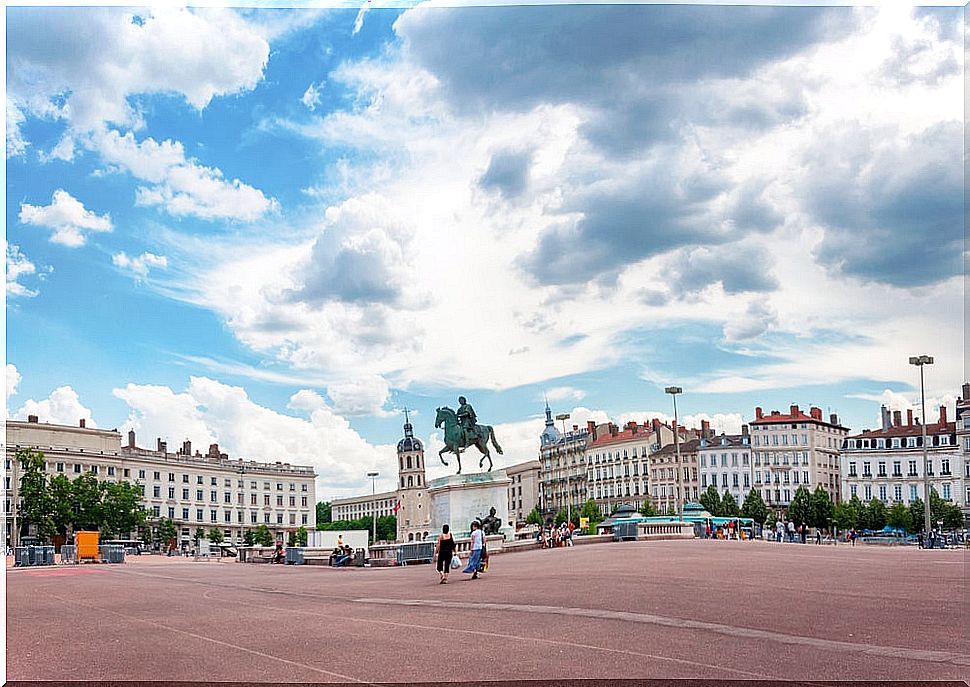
(673, 391)
(562, 417)
(920, 361)
(373, 483)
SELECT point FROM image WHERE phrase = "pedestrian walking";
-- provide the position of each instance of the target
(478, 541)
(444, 549)
(779, 530)
(818, 536)
(791, 531)
(804, 532)
(919, 539)
(852, 536)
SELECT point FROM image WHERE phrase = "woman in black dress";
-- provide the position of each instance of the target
(445, 549)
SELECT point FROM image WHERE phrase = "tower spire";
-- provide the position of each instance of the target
(408, 429)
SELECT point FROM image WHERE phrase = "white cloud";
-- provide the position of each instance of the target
(359, 19)
(211, 412)
(94, 59)
(359, 396)
(18, 266)
(67, 217)
(311, 96)
(16, 144)
(13, 380)
(140, 265)
(564, 393)
(179, 185)
(62, 407)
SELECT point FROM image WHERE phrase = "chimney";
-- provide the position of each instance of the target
(591, 428)
(909, 417)
(816, 413)
(942, 414)
(833, 419)
(186, 448)
(575, 428)
(744, 430)
(758, 413)
(887, 420)
(966, 392)
(31, 418)
(794, 410)
(705, 429)
(131, 438)
(655, 423)
(897, 418)
(161, 445)
(612, 429)
(81, 424)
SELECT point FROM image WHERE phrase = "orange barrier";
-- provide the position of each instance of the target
(87, 545)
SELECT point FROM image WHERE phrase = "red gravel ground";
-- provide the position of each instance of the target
(678, 609)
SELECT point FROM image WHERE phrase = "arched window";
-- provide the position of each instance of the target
(402, 483)
(410, 481)
(417, 460)
(411, 536)
(419, 480)
(400, 461)
(409, 462)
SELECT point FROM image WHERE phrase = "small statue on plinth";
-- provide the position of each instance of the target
(491, 524)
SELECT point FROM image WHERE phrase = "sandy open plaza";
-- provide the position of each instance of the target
(676, 609)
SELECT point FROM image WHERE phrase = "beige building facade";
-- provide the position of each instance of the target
(193, 489)
(524, 490)
(724, 462)
(796, 450)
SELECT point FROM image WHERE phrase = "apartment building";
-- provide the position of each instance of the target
(524, 490)
(887, 463)
(562, 467)
(725, 462)
(796, 450)
(193, 489)
(963, 439)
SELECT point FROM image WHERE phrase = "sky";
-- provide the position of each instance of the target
(275, 229)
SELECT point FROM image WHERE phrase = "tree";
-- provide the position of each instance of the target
(37, 507)
(167, 530)
(62, 503)
(199, 534)
(592, 511)
(822, 508)
(849, 514)
(249, 538)
(534, 517)
(302, 535)
(561, 517)
(121, 510)
(88, 494)
(800, 509)
(729, 507)
(324, 513)
(875, 515)
(899, 517)
(648, 510)
(215, 535)
(263, 537)
(387, 528)
(711, 501)
(754, 507)
(917, 513)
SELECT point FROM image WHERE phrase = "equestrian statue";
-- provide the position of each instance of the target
(462, 431)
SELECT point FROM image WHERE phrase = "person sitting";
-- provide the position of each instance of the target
(279, 555)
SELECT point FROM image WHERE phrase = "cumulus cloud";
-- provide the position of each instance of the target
(362, 395)
(18, 266)
(67, 217)
(508, 173)
(83, 64)
(311, 96)
(13, 379)
(62, 407)
(757, 319)
(738, 268)
(16, 143)
(179, 185)
(564, 393)
(211, 412)
(139, 265)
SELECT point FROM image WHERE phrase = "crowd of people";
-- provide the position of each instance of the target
(552, 536)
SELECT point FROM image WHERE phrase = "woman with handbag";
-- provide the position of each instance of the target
(445, 551)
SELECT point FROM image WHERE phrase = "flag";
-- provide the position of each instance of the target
(397, 507)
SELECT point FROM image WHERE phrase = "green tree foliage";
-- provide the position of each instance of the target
(754, 507)
(729, 507)
(198, 534)
(263, 537)
(711, 501)
(917, 513)
(302, 536)
(324, 513)
(88, 494)
(121, 510)
(800, 509)
(215, 535)
(249, 538)
(899, 517)
(875, 515)
(534, 517)
(849, 514)
(37, 506)
(592, 511)
(62, 503)
(167, 531)
(561, 517)
(822, 508)
(648, 510)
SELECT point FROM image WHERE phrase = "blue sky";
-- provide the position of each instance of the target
(275, 229)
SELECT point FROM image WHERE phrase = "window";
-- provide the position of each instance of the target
(111, 471)
(199, 479)
(734, 479)
(882, 468)
(947, 495)
(279, 500)
(185, 479)
(77, 469)
(265, 499)
(292, 501)
(156, 491)
(227, 497)
(882, 492)
(171, 512)
(912, 492)
(94, 469)
(704, 480)
(213, 496)
(60, 467)
(171, 492)
(897, 469)
(747, 480)
(265, 485)
(279, 518)
(185, 494)
(895, 442)
(213, 482)
(279, 486)
(157, 510)
(852, 489)
(157, 475)
(757, 477)
(213, 516)
(198, 514)
(929, 467)
(944, 466)
(252, 499)
(266, 518)
(303, 517)
(852, 472)
(866, 469)
(227, 482)
(912, 468)
(795, 476)
(185, 513)
(227, 515)
(252, 516)
(198, 494)
(141, 474)
(804, 476)
(171, 477)
(868, 490)
(898, 492)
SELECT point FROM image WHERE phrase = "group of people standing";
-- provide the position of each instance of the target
(446, 554)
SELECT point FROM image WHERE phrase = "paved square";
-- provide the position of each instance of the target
(679, 609)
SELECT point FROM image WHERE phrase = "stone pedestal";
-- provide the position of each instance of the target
(456, 500)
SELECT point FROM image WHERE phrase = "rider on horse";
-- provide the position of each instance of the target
(467, 418)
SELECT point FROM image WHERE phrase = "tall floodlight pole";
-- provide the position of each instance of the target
(562, 417)
(920, 361)
(373, 484)
(673, 391)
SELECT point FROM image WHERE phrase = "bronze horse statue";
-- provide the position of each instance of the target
(457, 438)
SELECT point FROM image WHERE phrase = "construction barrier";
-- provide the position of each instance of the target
(68, 554)
(418, 552)
(294, 556)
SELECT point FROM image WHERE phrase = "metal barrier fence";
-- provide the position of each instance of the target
(68, 553)
(294, 556)
(33, 555)
(416, 552)
(624, 530)
(111, 553)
